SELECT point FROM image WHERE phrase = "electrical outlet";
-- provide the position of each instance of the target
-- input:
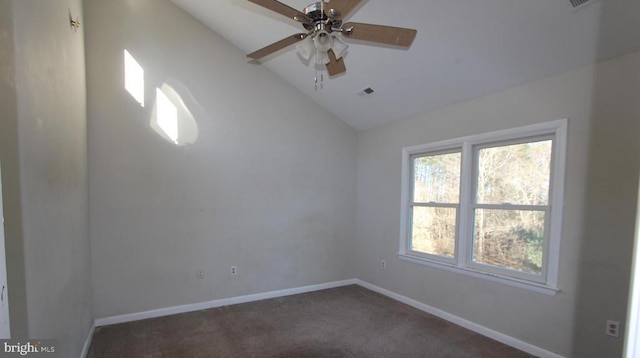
(234, 270)
(200, 274)
(384, 264)
(613, 329)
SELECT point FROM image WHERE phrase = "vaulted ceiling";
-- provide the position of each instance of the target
(464, 49)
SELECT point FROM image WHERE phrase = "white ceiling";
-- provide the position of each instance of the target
(464, 49)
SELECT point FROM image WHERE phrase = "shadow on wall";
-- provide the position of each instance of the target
(171, 116)
(610, 200)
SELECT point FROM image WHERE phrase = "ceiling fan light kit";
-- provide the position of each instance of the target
(306, 48)
(339, 47)
(323, 22)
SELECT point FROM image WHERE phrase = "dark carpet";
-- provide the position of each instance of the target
(347, 321)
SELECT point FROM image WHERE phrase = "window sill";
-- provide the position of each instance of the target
(531, 286)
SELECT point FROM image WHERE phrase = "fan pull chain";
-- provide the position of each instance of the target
(315, 80)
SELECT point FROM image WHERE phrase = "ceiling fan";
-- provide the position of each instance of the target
(323, 22)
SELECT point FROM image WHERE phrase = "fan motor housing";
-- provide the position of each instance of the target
(321, 21)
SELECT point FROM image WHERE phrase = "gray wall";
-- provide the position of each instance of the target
(269, 185)
(45, 173)
(9, 160)
(603, 158)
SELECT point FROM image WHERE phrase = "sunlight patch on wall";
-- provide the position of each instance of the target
(172, 119)
(167, 116)
(133, 78)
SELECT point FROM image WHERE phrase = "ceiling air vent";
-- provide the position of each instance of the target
(367, 91)
(580, 3)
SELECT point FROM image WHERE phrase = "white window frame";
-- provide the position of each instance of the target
(547, 282)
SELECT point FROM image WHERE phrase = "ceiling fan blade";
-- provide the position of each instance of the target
(389, 35)
(335, 66)
(268, 50)
(343, 7)
(283, 9)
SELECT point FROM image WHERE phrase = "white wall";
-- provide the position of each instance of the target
(47, 207)
(603, 106)
(269, 185)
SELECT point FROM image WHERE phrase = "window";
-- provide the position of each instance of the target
(434, 204)
(487, 205)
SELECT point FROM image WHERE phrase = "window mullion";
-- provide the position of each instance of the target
(435, 205)
(464, 230)
(510, 207)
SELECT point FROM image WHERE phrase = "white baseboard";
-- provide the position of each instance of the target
(495, 335)
(500, 337)
(87, 342)
(130, 317)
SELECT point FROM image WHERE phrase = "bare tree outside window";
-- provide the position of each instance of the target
(512, 191)
(514, 176)
(436, 194)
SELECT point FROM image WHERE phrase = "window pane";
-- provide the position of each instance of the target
(515, 174)
(436, 178)
(434, 230)
(511, 239)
